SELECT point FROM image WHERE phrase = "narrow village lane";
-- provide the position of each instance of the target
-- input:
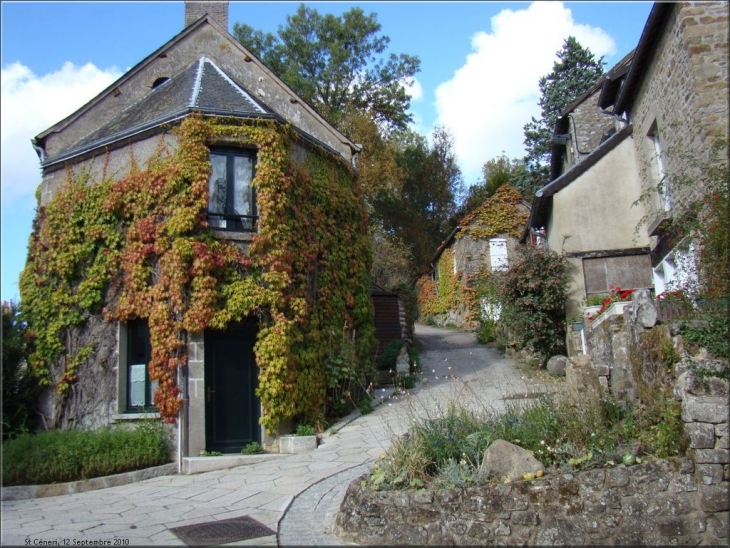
(455, 368)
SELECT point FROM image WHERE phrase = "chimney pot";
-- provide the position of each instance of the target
(216, 10)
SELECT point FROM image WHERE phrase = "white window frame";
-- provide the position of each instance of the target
(661, 174)
(498, 254)
(676, 270)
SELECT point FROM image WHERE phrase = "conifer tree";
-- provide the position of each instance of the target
(573, 73)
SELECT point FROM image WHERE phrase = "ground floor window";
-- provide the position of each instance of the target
(626, 272)
(140, 389)
(677, 270)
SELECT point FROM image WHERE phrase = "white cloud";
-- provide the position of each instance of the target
(31, 104)
(493, 95)
(414, 89)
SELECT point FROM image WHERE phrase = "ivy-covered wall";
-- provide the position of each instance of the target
(106, 251)
(453, 296)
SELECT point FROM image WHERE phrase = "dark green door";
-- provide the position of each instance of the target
(231, 407)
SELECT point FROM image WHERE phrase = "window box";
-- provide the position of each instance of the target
(615, 309)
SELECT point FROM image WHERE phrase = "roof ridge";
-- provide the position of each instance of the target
(198, 80)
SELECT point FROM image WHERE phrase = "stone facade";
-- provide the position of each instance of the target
(205, 38)
(588, 126)
(128, 124)
(653, 503)
(671, 93)
(683, 97)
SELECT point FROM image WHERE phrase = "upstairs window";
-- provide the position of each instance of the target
(659, 173)
(232, 200)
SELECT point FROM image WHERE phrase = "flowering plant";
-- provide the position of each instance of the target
(615, 294)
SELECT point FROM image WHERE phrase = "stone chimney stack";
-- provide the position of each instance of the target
(216, 10)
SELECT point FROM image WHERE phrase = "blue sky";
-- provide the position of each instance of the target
(480, 64)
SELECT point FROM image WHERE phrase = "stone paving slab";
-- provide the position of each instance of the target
(268, 491)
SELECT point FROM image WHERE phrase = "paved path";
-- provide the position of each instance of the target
(296, 495)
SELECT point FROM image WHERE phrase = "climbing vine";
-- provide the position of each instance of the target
(498, 215)
(443, 294)
(141, 247)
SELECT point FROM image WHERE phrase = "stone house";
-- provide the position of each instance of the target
(247, 266)
(485, 241)
(628, 137)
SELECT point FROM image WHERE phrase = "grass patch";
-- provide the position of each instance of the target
(446, 448)
(252, 448)
(57, 456)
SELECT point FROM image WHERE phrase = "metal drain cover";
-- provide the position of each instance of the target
(222, 532)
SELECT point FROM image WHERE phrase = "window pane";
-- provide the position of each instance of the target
(137, 384)
(242, 175)
(217, 184)
(151, 393)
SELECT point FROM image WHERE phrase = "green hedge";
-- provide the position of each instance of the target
(58, 456)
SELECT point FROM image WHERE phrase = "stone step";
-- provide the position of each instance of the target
(196, 465)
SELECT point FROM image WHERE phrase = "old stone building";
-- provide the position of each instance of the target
(621, 149)
(485, 241)
(675, 97)
(184, 262)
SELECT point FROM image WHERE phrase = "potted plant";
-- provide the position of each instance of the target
(575, 323)
(615, 303)
(302, 440)
(592, 304)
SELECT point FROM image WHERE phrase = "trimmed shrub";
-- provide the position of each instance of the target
(57, 456)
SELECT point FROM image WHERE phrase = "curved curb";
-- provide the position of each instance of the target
(22, 492)
(309, 519)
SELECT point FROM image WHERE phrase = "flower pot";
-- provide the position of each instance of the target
(577, 326)
(291, 444)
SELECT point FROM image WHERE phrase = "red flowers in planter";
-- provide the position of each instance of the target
(615, 294)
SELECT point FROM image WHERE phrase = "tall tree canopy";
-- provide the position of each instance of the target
(337, 64)
(495, 173)
(573, 73)
(425, 211)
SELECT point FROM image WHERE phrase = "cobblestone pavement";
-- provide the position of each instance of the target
(296, 495)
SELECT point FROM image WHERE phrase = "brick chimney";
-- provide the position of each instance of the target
(216, 10)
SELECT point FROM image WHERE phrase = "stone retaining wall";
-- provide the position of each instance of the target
(653, 503)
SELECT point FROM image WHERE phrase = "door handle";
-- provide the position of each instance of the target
(208, 392)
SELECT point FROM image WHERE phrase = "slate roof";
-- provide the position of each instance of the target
(203, 85)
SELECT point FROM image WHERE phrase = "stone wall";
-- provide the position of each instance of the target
(685, 90)
(651, 503)
(587, 125)
(658, 502)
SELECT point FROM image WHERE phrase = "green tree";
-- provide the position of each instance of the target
(573, 73)
(377, 166)
(495, 172)
(337, 64)
(425, 211)
(19, 386)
